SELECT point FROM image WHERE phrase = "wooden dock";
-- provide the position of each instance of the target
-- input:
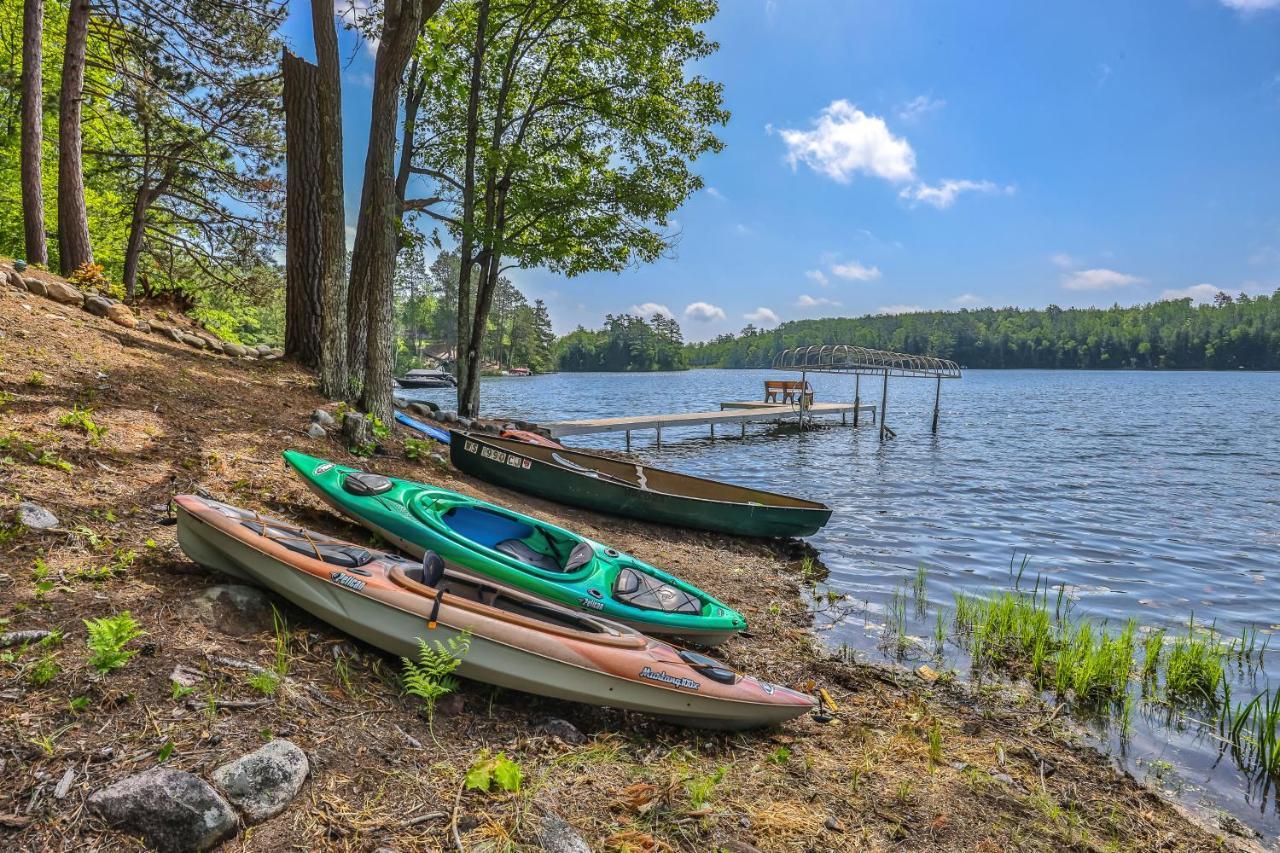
(740, 412)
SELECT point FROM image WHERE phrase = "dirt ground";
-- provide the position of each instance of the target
(903, 764)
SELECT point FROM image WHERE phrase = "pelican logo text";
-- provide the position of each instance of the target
(321, 468)
(346, 580)
(591, 602)
(674, 680)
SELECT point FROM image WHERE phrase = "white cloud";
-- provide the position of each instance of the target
(819, 276)
(648, 309)
(351, 237)
(967, 299)
(744, 230)
(855, 271)
(1062, 259)
(703, 312)
(715, 193)
(1196, 293)
(944, 194)
(845, 141)
(807, 301)
(1098, 279)
(351, 14)
(1251, 5)
(899, 309)
(762, 316)
(919, 106)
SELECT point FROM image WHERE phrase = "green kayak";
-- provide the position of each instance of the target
(509, 548)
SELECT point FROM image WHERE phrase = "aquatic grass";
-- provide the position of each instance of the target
(1255, 734)
(919, 591)
(1195, 667)
(1152, 650)
(895, 629)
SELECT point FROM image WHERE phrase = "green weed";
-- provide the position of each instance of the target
(430, 677)
(82, 419)
(701, 787)
(108, 637)
(489, 770)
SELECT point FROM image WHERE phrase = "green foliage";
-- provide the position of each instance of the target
(108, 637)
(430, 677)
(82, 419)
(43, 670)
(376, 426)
(700, 787)
(626, 343)
(489, 770)
(417, 449)
(90, 276)
(177, 691)
(1194, 667)
(165, 751)
(265, 682)
(281, 630)
(1233, 332)
(779, 756)
(78, 704)
(35, 379)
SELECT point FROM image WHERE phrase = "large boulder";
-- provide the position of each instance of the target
(98, 306)
(234, 609)
(120, 314)
(171, 810)
(35, 285)
(263, 782)
(60, 291)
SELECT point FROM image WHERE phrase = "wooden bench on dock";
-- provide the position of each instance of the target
(787, 391)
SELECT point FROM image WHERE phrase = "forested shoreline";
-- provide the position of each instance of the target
(1240, 332)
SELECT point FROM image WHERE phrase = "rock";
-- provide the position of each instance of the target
(463, 421)
(174, 333)
(263, 782)
(170, 809)
(233, 609)
(142, 326)
(238, 350)
(62, 292)
(193, 341)
(509, 426)
(438, 459)
(36, 286)
(926, 673)
(277, 352)
(446, 417)
(558, 836)
(35, 517)
(314, 430)
(562, 729)
(15, 280)
(263, 349)
(215, 344)
(64, 784)
(120, 314)
(98, 306)
(320, 416)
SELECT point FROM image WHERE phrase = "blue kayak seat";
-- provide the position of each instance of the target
(521, 551)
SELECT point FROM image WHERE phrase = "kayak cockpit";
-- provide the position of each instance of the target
(528, 544)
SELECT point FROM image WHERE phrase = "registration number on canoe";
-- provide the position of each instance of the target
(499, 456)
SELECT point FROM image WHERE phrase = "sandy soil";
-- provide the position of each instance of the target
(1001, 775)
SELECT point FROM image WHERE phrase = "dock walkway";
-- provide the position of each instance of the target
(742, 413)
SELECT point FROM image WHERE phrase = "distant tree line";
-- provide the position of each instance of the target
(1232, 332)
(626, 343)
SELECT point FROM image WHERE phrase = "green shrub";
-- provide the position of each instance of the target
(108, 637)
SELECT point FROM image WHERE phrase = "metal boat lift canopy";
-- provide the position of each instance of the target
(846, 358)
(863, 361)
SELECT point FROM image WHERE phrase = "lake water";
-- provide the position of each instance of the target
(1149, 495)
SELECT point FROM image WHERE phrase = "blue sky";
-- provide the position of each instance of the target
(894, 156)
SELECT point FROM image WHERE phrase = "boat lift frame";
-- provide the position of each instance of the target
(864, 361)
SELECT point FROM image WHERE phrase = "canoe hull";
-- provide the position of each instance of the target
(554, 664)
(558, 483)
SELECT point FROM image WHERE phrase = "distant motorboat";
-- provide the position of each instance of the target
(424, 378)
(519, 371)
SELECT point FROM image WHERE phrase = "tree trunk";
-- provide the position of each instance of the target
(33, 131)
(74, 248)
(484, 300)
(303, 205)
(335, 380)
(467, 243)
(373, 258)
(137, 231)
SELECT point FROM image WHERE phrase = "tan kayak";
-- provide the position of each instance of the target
(517, 641)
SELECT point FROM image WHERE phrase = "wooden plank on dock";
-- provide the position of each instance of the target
(730, 413)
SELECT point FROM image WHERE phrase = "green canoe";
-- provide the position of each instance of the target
(515, 550)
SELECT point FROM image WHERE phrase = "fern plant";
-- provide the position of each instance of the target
(430, 677)
(108, 637)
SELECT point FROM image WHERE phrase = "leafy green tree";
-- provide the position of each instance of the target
(559, 133)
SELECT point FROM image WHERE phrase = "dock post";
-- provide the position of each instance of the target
(628, 441)
(803, 384)
(884, 405)
(713, 430)
(857, 397)
(937, 398)
(659, 436)
(744, 429)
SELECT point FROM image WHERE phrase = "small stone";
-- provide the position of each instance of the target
(98, 306)
(142, 326)
(263, 349)
(35, 517)
(959, 766)
(174, 333)
(60, 291)
(558, 836)
(562, 729)
(215, 344)
(120, 314)
(15, 280)
(277, 352)
(238, 350)
(926, 673)
(314, 430)
(1004, 778)
(834, 824)
(193, 341)
(263, 782)
(171, 810)
(36, 286)
(438, 459)
(234, 609)
(323, 418)
(64, 784)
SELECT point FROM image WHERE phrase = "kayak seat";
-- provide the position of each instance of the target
(314, 545)
(366, 485)
(649, 593)
(581, 554)
(432, 568)
(520, 550)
